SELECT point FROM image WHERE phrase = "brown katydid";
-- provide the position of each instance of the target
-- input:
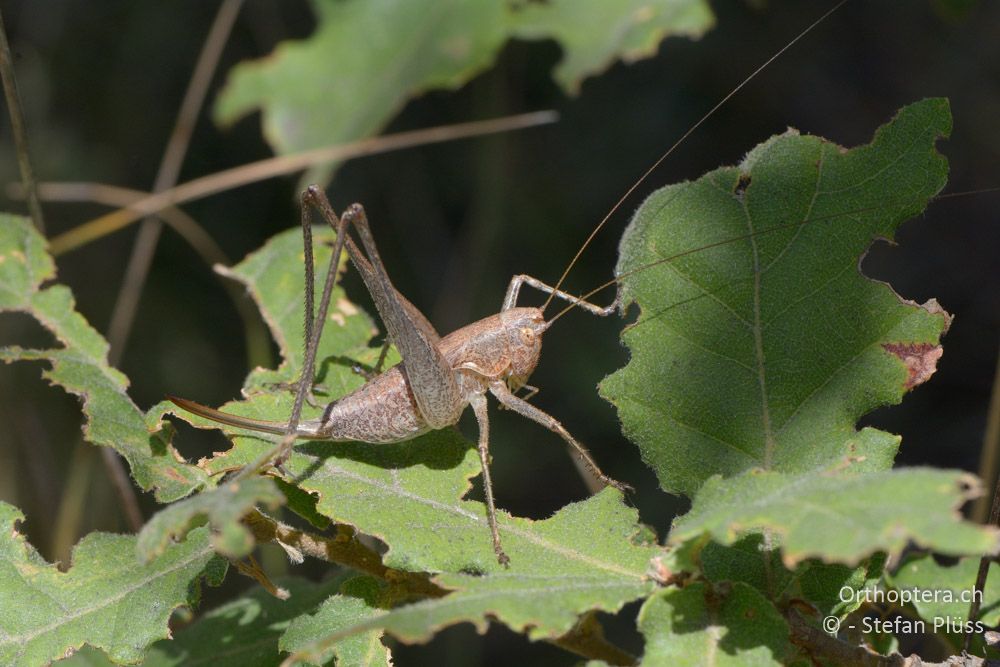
(438, 377)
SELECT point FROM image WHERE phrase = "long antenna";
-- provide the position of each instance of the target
(690, 131)
(744, 237)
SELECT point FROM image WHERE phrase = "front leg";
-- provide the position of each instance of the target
(514, 289)
(478, 402)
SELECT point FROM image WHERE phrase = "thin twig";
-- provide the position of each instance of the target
(585, 639)
(991, 443)
(116, 196)
(990, 456)
(258, 341)
(20, 131)
(137, 269)
(342, 548)
(141, 258)
(281, 165)
(72, 502)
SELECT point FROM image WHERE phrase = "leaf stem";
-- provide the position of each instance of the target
(342, 548)
(585, 639)
(281, 165)
(20, 130)
(988, 472)
(141, 257)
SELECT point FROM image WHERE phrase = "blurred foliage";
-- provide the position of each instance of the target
(367, 58)
(107, 599)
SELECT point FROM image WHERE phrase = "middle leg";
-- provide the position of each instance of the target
(478, 402)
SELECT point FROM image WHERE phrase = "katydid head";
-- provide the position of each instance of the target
(523, 328)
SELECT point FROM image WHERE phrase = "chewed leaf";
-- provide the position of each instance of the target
(274, 277)
(222, 506)
(557, 573)
(107, 599)
(244, 631)
(81, 365)
(841, 517)
(731, 626)
(367, 58)
(358, 600)
(409, 495)
(763, 350)
(542, 606)
(942, 593)
(750, 560)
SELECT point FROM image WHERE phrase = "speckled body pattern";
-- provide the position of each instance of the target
(504, 346)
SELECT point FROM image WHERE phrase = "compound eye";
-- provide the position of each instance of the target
(527, 336)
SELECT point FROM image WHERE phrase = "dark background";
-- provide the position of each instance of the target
(101, 83)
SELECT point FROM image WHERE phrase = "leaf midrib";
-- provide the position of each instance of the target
(106, 602)
(478, 520)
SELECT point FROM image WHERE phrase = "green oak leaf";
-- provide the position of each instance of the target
(940, 592)
(240, 633)
(557, 572)
(107, 599)
(841, 517)
(367, 58)
(702, 625)
(748, 560)
(244, 632)
(753, 560)
(406, 494)
(826, 585)
(223, 507)
(80, 366)
(358, 600)
(763, 350)
(409, 495)
(273, 276)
